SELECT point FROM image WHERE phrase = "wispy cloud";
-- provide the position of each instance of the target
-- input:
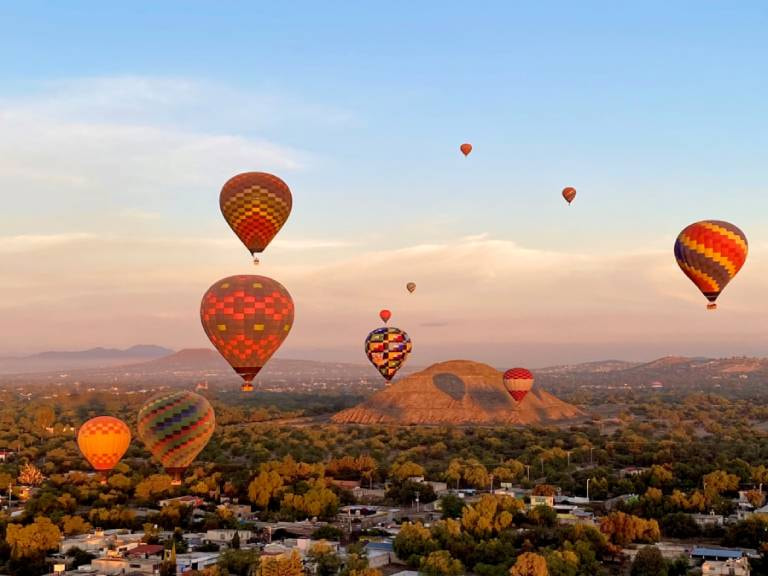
(33, 243)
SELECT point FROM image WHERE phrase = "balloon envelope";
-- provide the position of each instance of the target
(103, 441)
(465, 149)
(569, 194)
(247, 318)
(255, 205)
(518, 381)
(385, 315)
(710, 253)
(175, 427)
(387, 349)
(411, 286)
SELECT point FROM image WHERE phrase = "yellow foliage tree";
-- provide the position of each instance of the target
(34, 539)
(529, 564)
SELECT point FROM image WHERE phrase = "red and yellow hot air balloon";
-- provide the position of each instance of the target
(465, 148)
(385, 315)
(569, 194)
(711, 253)
(387, 349)
(411, 286)
(247, 318)
(255, 205)
(103, 441)
(518, 381)
(175, 427)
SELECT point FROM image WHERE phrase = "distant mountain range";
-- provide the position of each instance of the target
(81, 359)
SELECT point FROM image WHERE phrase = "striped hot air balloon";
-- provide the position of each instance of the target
(518, 381)
(711, 253)
(247, 318)
(569, 194)
(255, 205)
(103, 441)
(387, 349)
(175, 427)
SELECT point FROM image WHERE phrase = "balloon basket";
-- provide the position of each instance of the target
(711, 306)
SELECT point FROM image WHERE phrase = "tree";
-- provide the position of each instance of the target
(649, 562)
(281, 565)
(265, 487)
(153, 486)
(235, 544)
(406, 470)
(326, 561)
(33, 540)
(239, 562)
(79, 557)
(529, 564)
(680, 525)
(73, 525)
(440, 563)
(451, 505)
(622, 529)
(412, 542)
(327, 532)
(30, 475)
(454, 472)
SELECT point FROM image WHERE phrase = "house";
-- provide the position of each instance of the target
(539, 500)
(380, 553)
(194, 501)
(195, 561)
(710, 520)
(239, 511)
(114, 564)
(145, 551)
(716, 554)
(223, 537)
(733, 567)
(631, 471)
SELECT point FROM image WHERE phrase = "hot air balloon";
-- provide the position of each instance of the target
(387, 349)
(518, 381)
(411, 286)
(255, 205)
(103, 441)
(247, 318)
(175, 427)
(569, 194)
(465, 149)
(711, 253)
(385, 315)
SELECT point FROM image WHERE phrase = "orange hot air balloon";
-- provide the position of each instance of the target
(711, 253)
(255, 205)
(569, 194)
(518, 381)
(103, 441)
(385, 315)
(465, 149)
(411, 286)
(247, 318)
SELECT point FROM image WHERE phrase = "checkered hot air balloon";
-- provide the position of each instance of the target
(387, 349)
(518, 381)
(103, 441)
(175, 427)
(411, 286)
(247, 318)
(255, 205)
(711, 253)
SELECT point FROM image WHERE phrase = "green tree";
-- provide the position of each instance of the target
(451, 505)
(326, 561)
(649, 562)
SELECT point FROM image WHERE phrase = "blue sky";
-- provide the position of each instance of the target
(122, 122)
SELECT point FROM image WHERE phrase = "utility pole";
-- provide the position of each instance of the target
(588, 479)
(491, 483)
(417, 502)
(569, 458)
(590, 455)
(528, 471)
(542, 466)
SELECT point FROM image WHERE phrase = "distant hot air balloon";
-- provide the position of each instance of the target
(711, 253)
(175, 427)
(518, 381)
(103, 441)
(569, 194)
(465, 149)
(247, 318)
(385, 315)
(387, 349)
(411, 286)
(255, 205)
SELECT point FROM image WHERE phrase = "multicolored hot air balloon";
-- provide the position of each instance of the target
(247, 318)
(569, 194)
(103, 441)
(465, 149)
(175, 427)
(518, 381)
(255, 205)
(387, 349)
(385, 315)
(711, 253)
(411, 286)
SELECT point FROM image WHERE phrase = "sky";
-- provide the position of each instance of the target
(120, 123)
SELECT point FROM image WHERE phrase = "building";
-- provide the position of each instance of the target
(733, 567)
(194, 501)
(223, 537)
(711, 520)
(380, 554)
(716, 554)
(110, 565)
(239, 511)
(195, 561)
(630, 471)
(539, 500)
